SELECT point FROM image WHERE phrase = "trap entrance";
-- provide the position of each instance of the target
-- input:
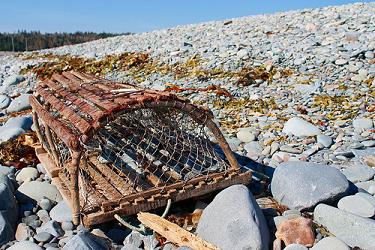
(113, 148)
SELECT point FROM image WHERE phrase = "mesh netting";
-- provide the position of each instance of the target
(146, 148)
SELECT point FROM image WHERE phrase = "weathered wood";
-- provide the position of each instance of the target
(61, 129)
(126, 205)
(173, 232)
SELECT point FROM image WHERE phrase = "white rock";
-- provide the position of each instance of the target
(27, 174)
(299, 127)
(245, 135)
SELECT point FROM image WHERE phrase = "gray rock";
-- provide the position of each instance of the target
(27, 174)
(7, 133)
(67, 226)
(233, 220)
(302, 185)
(357, 205)
(61, 212)
(134, 238)
(13, 80)
(325, 140)
(362, 123)
(341, 62)
(299, 127)
(130, 247)
(86, 241)
(43, 215)
(45, 204)
(351, 229)
(6, 228)
(358, 173)
(20, 103)
(4, 101)
(23, 122)
(246, 135)
(23, 245)
(295, 247)
(43, 237)
(51, 227)
(8, 210)
(34, 191)
(330, 243)
(253, 147)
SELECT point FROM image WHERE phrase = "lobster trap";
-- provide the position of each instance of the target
(113, 148)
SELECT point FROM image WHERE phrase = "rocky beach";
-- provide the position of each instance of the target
(294, 95)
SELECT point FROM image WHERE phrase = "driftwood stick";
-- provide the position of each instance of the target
(37, 128)
(52, 145)
(174, 233)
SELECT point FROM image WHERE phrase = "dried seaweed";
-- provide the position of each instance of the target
(19, 152)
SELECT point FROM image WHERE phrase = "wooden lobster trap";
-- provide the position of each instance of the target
(113, 148)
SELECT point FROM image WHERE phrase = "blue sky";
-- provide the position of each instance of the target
(134, 15)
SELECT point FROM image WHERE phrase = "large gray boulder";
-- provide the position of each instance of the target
(354, 230)
(8, 210)
(11, 81)
(233, 220)
(86, 241)
(302, 185)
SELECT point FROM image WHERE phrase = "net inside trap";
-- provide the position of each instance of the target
(113, 148)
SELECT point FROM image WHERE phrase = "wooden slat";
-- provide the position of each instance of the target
(82, 125)
(73, 83)
(108, 190)
(116, 180)
(88, 109)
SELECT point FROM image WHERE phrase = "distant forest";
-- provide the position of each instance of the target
(35, 40)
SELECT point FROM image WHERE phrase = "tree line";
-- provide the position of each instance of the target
(35, 40)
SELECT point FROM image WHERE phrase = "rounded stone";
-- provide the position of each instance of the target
(245, 135)
(341, 62)
(295, 247)
(302, 185)
(27, 174)
(20, 103)
(357, 205)
(354, 230)
(61, 212)
(299, 127)
(363, 123)
(358, 173)
(325, 140)
(22, 245)
(330, 243)
(4, 101)
(43, 237)
(34, 191)
(45, 204)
